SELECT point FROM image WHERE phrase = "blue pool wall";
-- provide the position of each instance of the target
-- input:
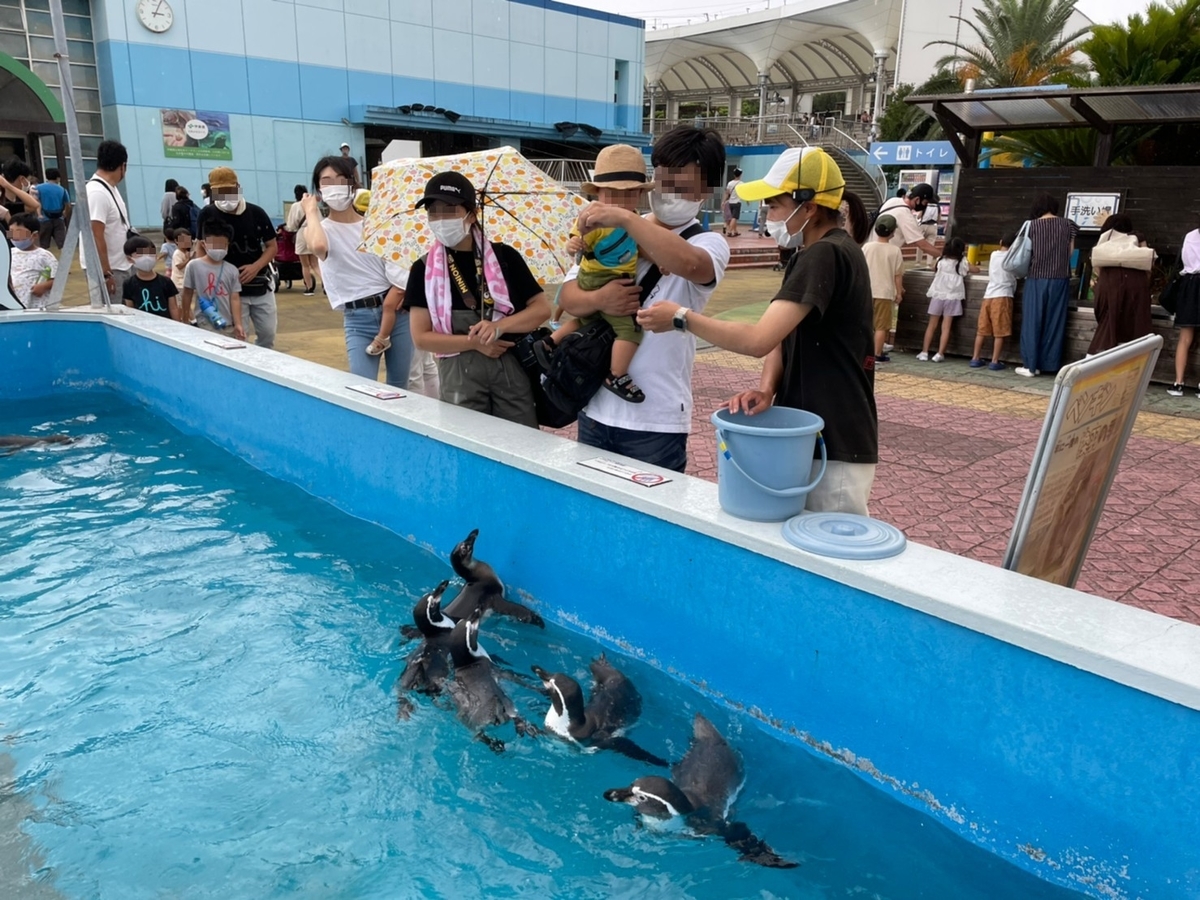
(1080, 778)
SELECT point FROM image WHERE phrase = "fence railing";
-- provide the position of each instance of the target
(859, 154)
(776, 129)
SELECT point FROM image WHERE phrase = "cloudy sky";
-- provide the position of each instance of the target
(1098, 10)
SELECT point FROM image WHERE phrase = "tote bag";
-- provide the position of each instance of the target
(1019, 254)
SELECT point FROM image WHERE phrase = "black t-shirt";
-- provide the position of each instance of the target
(829, 359)
(252, 231)
(149, 296)
(522, 286)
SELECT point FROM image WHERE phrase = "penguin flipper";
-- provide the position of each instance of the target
(492, 743)
(628, 748)
(516, 611)
(410, 633)
(525, 728)
(753, 849)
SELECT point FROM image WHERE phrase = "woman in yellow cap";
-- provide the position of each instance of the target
(816, 336)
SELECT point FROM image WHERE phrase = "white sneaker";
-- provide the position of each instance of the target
(1176, 390)
(923, 357)
(888, 348)
(1024, 372)
(937, 357)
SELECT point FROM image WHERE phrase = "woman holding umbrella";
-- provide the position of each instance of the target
(470, 301)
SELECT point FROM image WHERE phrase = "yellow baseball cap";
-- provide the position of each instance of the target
(799, 169)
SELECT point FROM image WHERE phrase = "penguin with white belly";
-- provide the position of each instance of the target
(614, 706)
(700, 795)
(427, 667)
(477, 695)
(483, 589)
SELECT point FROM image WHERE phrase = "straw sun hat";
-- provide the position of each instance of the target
(620, 168)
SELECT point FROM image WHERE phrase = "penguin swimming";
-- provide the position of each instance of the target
(614, 706)
(477, 696)
(700, 792)
(428, 666)
(483, 590)
(11, 443)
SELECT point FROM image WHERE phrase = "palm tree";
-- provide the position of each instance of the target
(1021, 43)
(1161, 48)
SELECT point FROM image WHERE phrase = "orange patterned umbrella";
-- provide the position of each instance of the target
(519, 205)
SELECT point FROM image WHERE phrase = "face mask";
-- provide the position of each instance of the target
(673, 210)
(144, 263)
(779, 232)
(23, 245)
(228, 204)
(450, 232)
(217, 255)
(337, 197)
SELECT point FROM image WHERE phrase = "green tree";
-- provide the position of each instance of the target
(830, 101)
(1020, 43)
(902, 122)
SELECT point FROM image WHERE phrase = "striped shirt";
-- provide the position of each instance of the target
(1051, 239)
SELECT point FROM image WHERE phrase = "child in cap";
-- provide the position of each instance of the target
(946, 295)
(995, 316)
(33, 268)
(147, 290)
(886, 265)
(609, 254)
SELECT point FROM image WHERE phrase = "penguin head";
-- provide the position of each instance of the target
(464, 641)
(464, 551)
(566, 696)
(652, 796)
(427, 614)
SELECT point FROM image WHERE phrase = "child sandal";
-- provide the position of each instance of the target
(377, 346)
(624, 388)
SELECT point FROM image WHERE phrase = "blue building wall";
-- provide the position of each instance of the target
(290, 73)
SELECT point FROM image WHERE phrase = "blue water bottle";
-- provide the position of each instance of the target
(214, 315)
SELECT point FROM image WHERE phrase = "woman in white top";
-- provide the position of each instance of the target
(356, 282)
(733, 205)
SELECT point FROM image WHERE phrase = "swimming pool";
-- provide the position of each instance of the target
(1013, 713)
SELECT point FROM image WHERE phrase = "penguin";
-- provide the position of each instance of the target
(615, 705)
(477, 696)
(11, 443)
(700, 793)
(428, 666)
(483, 590)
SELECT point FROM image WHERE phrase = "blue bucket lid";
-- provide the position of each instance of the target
(844, 535)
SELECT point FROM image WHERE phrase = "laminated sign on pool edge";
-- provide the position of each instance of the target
(764, 461)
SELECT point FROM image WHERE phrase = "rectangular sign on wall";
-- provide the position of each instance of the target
(195, 134)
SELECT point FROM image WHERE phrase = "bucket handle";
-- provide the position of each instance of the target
(786, 492)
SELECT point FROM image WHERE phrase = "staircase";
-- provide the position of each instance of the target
(857, 180)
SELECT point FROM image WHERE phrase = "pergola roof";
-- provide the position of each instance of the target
(811, 41)
(1055, 106)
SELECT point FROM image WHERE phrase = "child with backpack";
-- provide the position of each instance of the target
(995, 316)
(609, 254)
(946, 295)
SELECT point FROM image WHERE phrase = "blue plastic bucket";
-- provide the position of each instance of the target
(764, 462)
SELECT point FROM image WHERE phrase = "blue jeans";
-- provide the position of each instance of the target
(361, 327)
(1044, 304)
(655, 448)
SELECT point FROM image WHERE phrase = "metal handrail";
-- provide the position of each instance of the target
(861, 156)
(796, 131)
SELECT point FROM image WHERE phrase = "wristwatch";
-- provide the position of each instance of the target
(679, 320)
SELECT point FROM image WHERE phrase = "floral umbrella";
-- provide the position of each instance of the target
(519, 205)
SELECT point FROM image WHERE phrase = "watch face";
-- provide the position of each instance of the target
(156, 15)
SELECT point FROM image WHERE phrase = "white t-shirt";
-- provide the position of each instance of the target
(662, 366)
(350, 274)
(949, 283)
(106, 205)
(1001, 282)
(27, 269)
(908, 230)
(177, 264)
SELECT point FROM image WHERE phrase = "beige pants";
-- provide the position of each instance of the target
(846, 488)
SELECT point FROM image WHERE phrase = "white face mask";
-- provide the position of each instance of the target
(144, 263)
(672, 209)
(217, 255)
(779, 231)
(227, 203)
(337, 197)
(450, 232)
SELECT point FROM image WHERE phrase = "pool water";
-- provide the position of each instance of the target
(197, 673)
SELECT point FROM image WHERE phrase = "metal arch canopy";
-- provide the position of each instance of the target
(743, 46)
(27, 99)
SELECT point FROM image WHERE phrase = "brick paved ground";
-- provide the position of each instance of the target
(956, 445)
